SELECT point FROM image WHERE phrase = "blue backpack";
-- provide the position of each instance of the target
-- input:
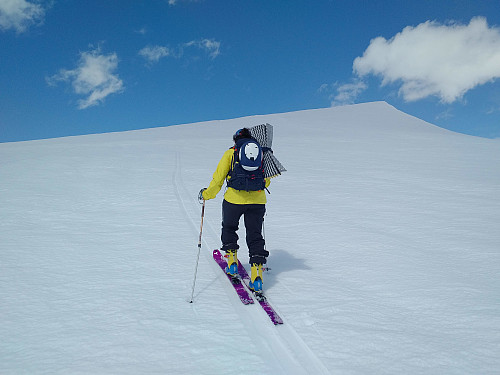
(247, 172)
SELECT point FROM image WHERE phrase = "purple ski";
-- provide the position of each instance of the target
(273, 315)
(245, 297)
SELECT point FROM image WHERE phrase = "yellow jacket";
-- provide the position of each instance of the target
(232, 195)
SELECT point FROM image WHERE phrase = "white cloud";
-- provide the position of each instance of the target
(343, 94)
(19, 14)
(211, 46)
(347, 93)
(432, 59)
(324, 87)
(93, 77)
(174, 2)
(154, 53)
(445, 115)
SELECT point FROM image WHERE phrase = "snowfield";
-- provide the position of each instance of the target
(384, 239)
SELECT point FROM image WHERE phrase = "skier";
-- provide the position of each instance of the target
(245, 196)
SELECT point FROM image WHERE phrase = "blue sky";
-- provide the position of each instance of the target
(70, 67)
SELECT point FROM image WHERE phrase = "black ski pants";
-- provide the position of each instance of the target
(253, 215)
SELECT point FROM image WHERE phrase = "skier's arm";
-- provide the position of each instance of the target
(219, 176)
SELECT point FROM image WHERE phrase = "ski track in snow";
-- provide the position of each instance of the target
(283, 349)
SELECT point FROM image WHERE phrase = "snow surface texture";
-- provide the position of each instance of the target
(383, 235)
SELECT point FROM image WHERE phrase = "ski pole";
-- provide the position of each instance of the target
(264, 233)
(199, 249)
(264, 236)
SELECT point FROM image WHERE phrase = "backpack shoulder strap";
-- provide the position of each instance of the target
(235, 155)
(233, 161)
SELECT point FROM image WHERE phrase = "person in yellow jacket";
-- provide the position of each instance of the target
(250, 202)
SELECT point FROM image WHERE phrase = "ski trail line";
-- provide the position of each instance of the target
(283, 349)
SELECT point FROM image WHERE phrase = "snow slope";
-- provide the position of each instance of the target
(383, 235)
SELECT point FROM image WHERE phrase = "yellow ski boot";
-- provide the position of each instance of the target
(232, 262)
(256, 277)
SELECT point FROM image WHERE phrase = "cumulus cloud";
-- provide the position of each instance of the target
(93, 77)
(19, 14)
(153, 54)
(433, 59)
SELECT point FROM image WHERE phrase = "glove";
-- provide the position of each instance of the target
(200, 195)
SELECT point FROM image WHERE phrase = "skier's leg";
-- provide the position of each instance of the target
(254, 217)
(231, 214)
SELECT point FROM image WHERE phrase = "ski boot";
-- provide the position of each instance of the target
(256, 277)
(232, 263)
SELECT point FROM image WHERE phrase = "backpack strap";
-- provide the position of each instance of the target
(233, 161)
